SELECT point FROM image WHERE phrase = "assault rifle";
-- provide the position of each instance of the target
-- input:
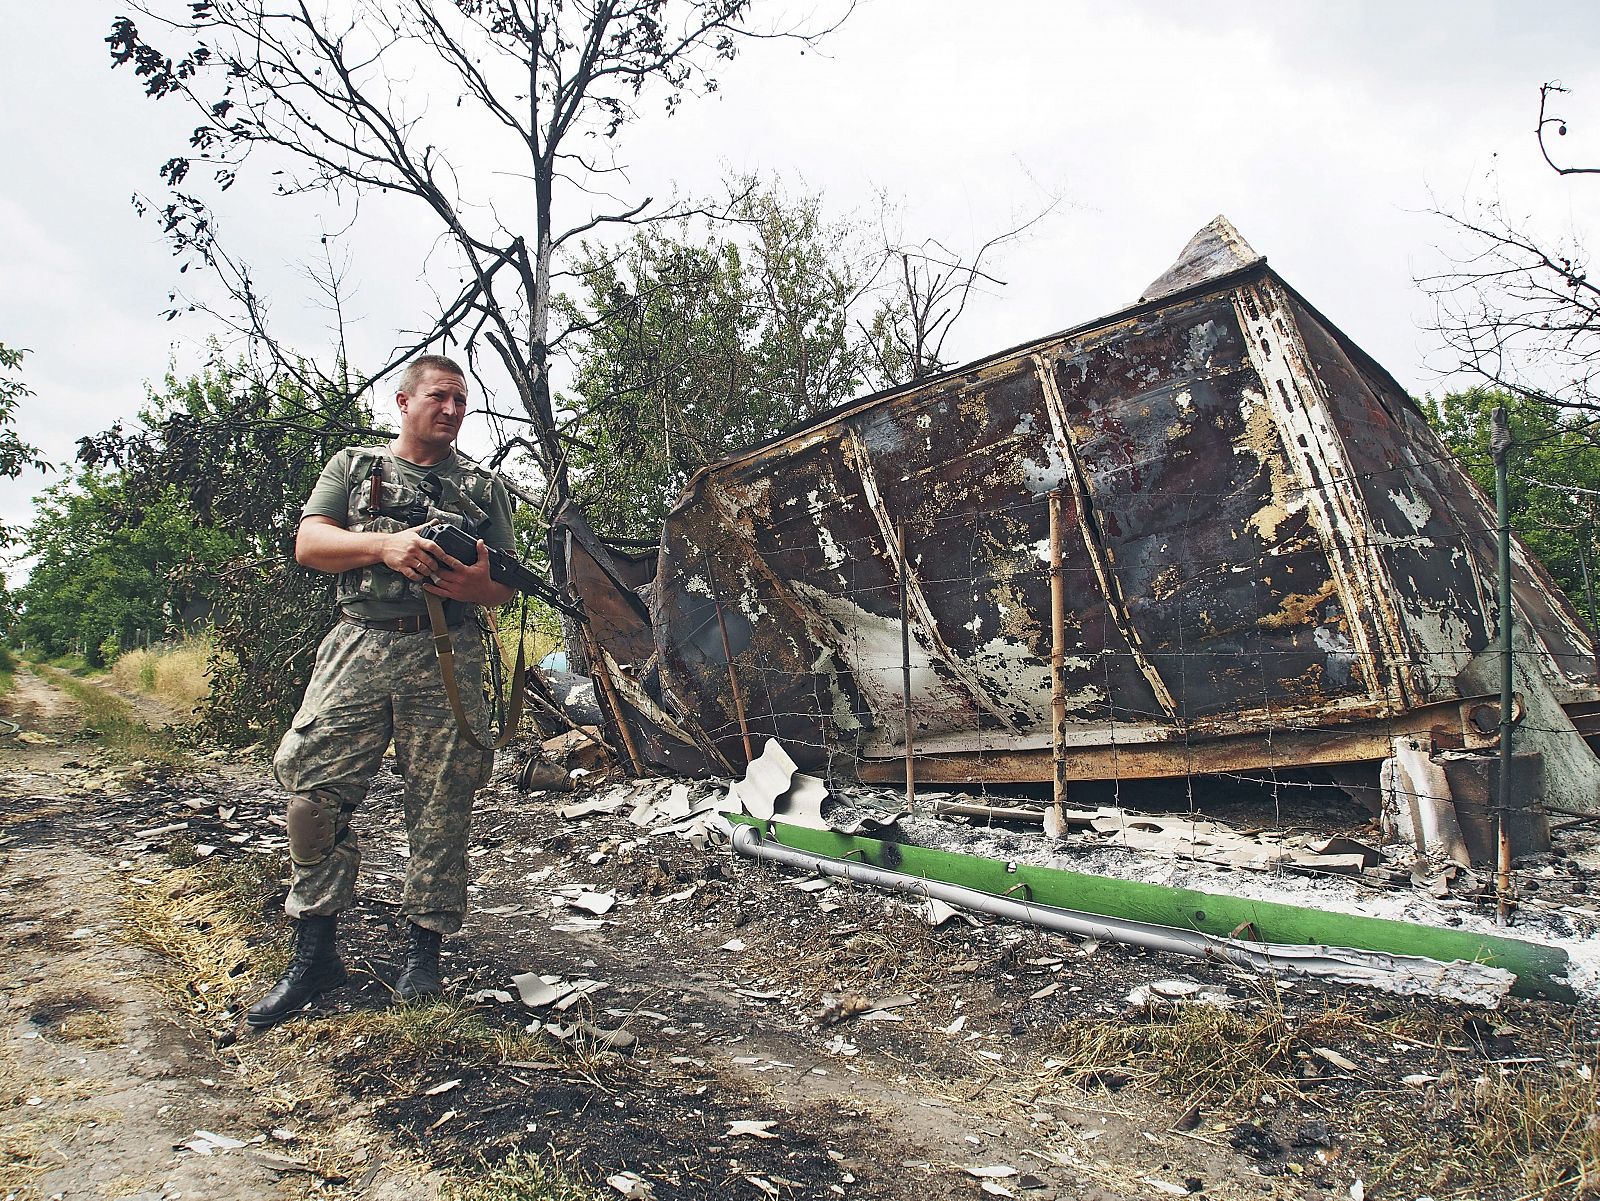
(503, 566)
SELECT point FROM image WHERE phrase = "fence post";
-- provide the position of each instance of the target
(1500, 444)
(1058, 659)
(727, 654)
(905, 667)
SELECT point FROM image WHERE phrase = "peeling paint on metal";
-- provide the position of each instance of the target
(1266, 550)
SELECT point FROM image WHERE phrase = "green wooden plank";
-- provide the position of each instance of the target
(1537, 967)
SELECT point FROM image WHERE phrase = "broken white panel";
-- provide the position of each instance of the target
(1417, 803)
(597, 903)
(677, 803)
(538, 992)
(801, 805)
(605, 803)
(631, 1186)
(765, 780)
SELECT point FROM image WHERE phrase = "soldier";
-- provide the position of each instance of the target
(377, 678)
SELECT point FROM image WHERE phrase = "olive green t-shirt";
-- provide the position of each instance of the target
(331, 498)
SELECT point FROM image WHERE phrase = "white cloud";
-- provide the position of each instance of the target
(1321, 130)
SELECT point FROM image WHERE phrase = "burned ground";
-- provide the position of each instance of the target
(792, 1039)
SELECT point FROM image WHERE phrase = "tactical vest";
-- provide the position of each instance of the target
(382, 501)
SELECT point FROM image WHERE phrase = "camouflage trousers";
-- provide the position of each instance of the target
(368, 687)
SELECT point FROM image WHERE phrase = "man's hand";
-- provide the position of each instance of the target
(408, 553)
(325, 545)
(469, 582)
(322, 544)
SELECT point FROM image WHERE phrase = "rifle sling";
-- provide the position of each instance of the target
(446, 652)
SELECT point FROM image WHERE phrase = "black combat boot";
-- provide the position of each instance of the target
(314, 968)
(421, 977)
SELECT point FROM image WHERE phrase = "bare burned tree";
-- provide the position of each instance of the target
(1520, 314)
(1549, 121)
(929, 287)
(367, 103)
(1520, 311)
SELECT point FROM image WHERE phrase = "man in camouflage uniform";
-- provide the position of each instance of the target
(377, 678)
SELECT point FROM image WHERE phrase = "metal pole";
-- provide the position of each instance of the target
(1585, 549)
(905, 668)
(733, 676)
(1500, 444)
(1476, 983)
(1058, 657)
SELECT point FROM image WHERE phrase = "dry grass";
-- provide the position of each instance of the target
(100, 1031)
(26, 1149)
(204, 920)
(1197, 1052)
(898, 952)
(404, 1035)
(174, 673)
(200, 920)
(543, 636)
(29, 1136)
(522, 1177)
(1547, 1129)
(113, 723)
(1531, 1129)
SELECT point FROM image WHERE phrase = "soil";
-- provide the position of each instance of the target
(790, 1041)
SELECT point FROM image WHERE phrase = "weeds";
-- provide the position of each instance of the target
(111, 720)
(441, 1028)
(522, 1177)
(1199, 1052)
(174, 673)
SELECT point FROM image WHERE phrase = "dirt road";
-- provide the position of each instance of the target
(811, 1042)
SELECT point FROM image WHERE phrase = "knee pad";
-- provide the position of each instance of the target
(311, 829)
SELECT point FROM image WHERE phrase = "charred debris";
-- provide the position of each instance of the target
(1201, 549)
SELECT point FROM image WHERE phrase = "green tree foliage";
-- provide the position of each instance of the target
(189, 517)
(1553, 470)
(16, 456)
(106, 569)
(699, 343)
(240, 455)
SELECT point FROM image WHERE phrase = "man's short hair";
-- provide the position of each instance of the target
(412, 378)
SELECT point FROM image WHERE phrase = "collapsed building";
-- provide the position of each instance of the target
(1268, 564)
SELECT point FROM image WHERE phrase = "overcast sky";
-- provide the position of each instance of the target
(1325, 133)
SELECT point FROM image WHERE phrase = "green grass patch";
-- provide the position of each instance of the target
(522, 1177)
(112, 722)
